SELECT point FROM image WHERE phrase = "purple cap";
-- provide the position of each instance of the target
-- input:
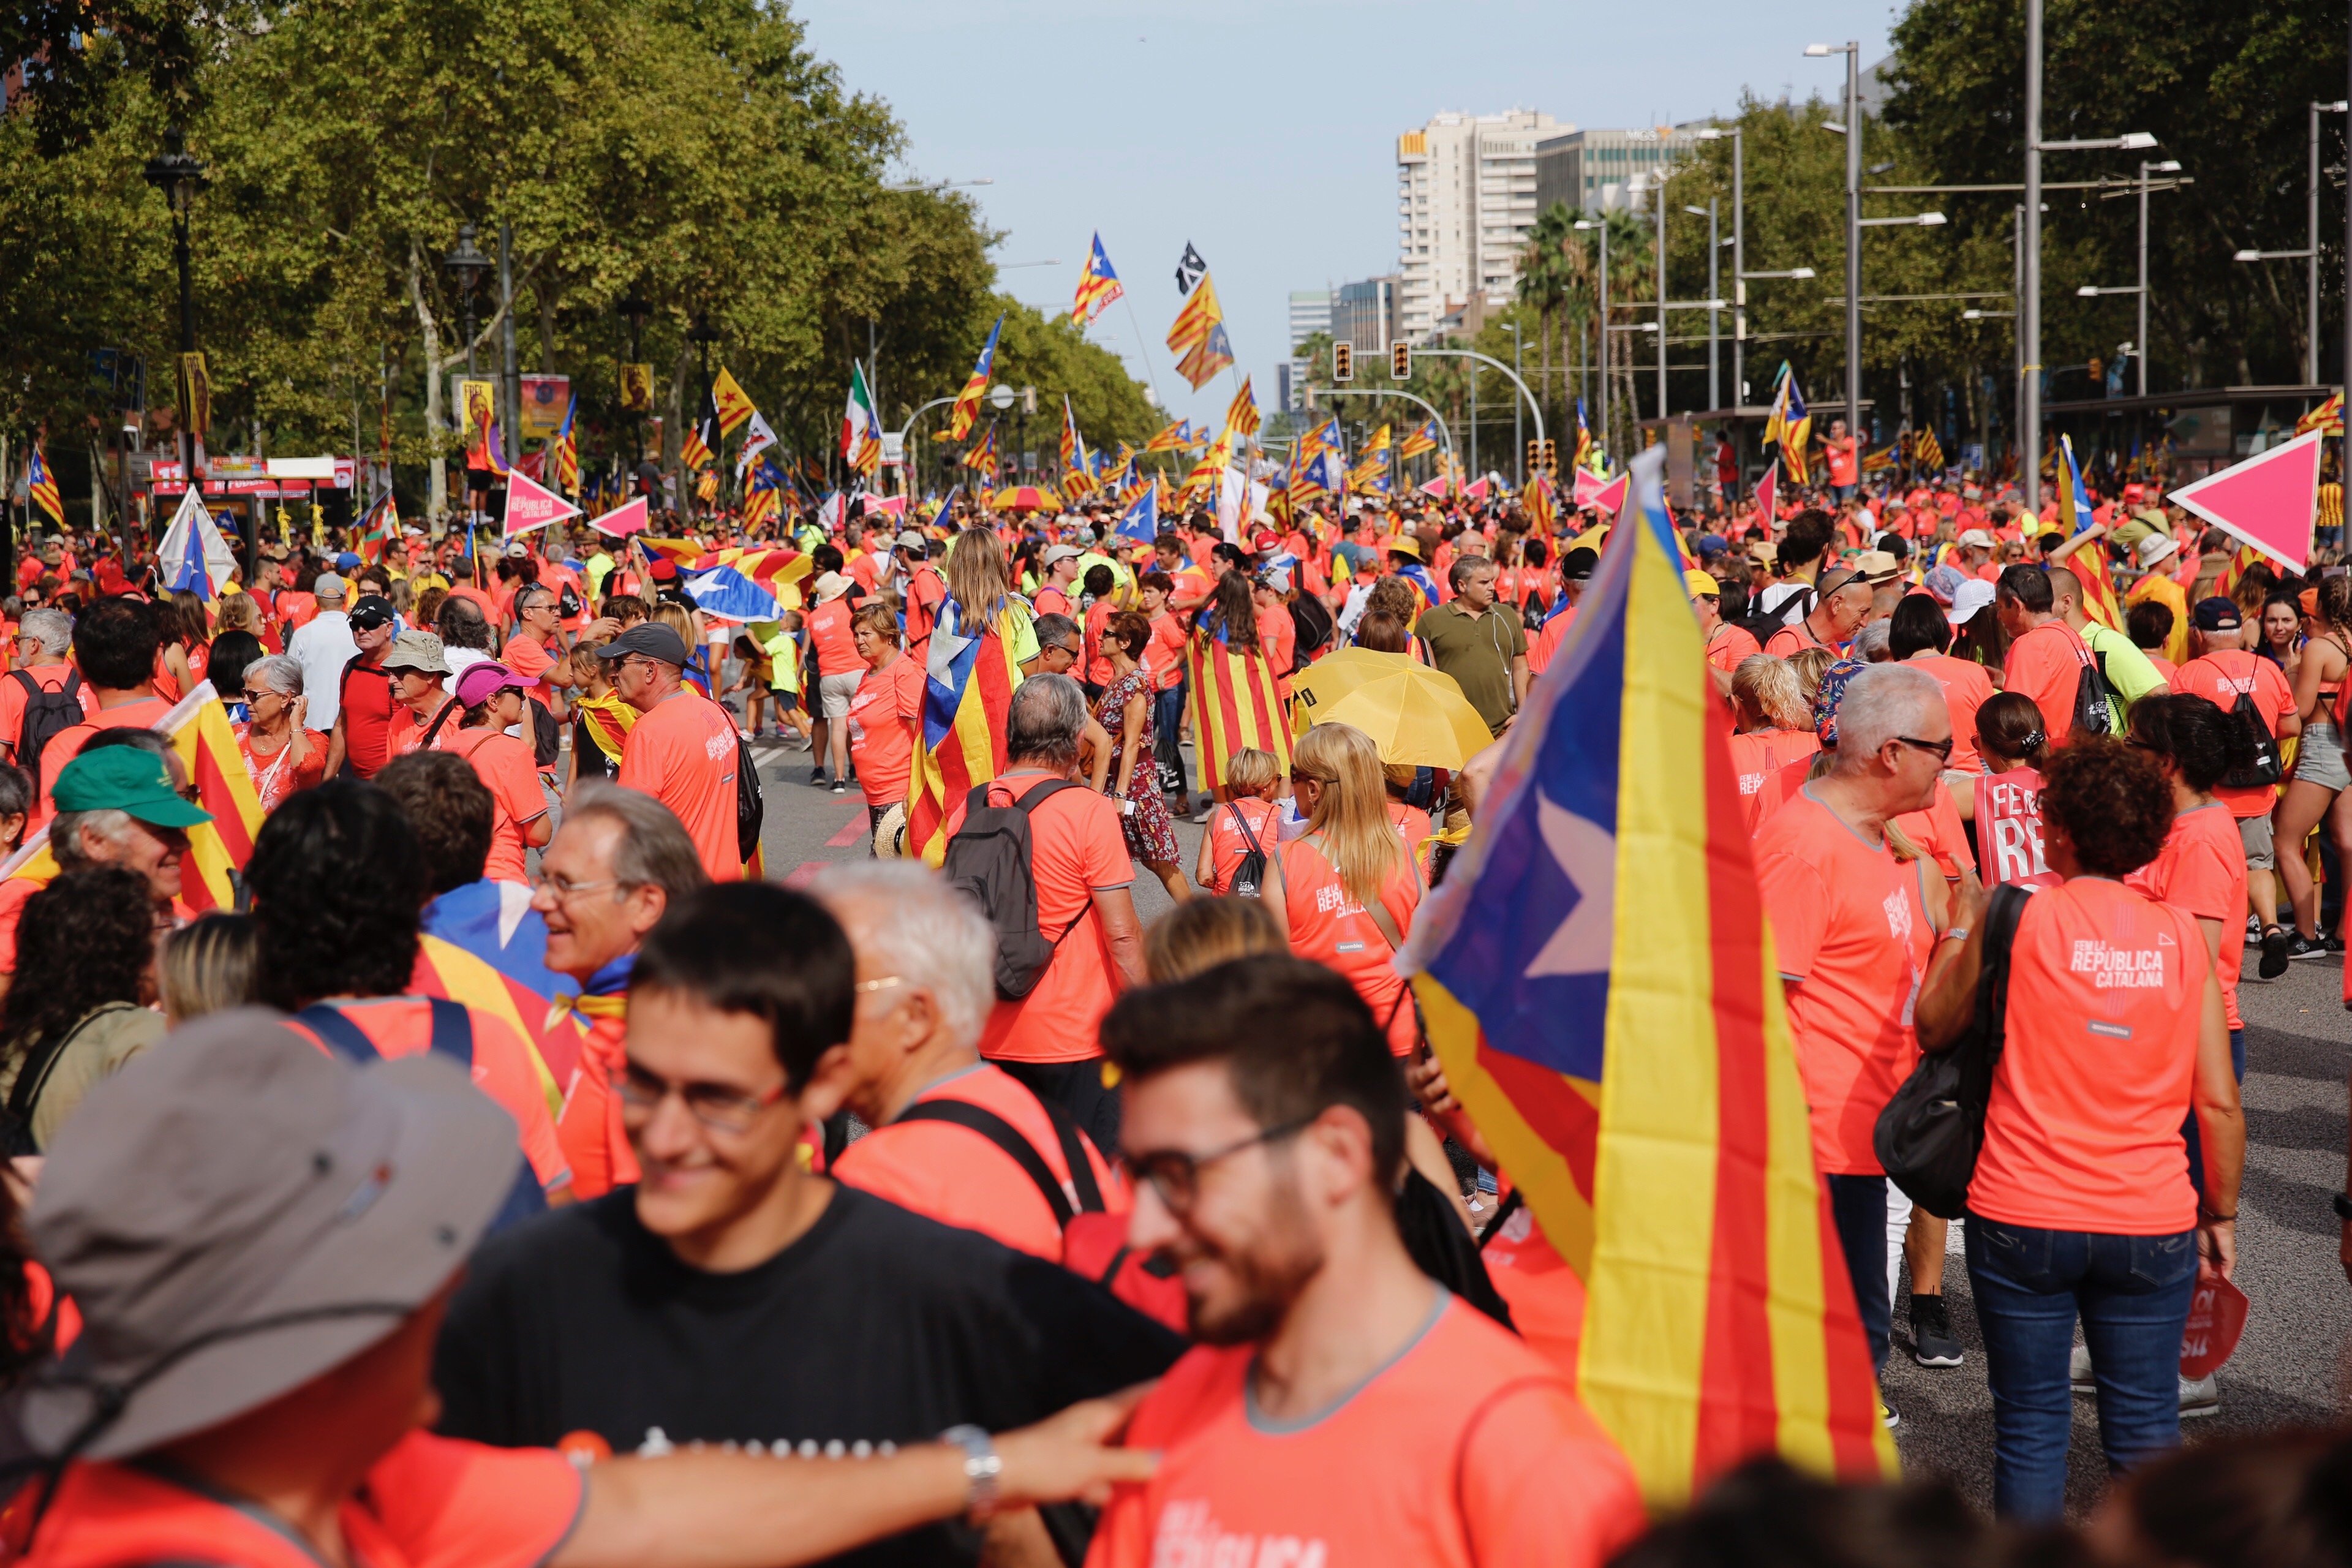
(478, 683)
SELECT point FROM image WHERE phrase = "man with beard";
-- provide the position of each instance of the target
(1341, 1407)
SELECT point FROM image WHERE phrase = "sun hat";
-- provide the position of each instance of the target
(419, 651)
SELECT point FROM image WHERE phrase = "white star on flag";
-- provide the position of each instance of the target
(1586, 853)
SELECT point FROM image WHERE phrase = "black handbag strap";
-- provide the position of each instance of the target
(40, 1060)
(2003, 910)
(1020, 1151)
(1243, 823)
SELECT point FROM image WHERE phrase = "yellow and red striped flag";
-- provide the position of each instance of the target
(2327, 417)
(1198, 336)
(967, 403)
(2090, 562)
(969, 675)
(2246, 557)
(41, 485)
(1241, 414)
(1234, 704)
(732, 403)
(1646, 1099)
(1098, 286)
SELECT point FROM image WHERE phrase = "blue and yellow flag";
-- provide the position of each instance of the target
(982, 459)
(1098, 286)
(2090, 562)
(1198, 337)
(967, 403)
(42, 486)
(1421, 438)
(564, 453)
(1646, 1096)
(1789, 423)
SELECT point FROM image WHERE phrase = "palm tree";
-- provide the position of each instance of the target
(1545, 281)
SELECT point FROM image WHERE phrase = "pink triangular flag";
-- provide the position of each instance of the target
(1439, 488)
(531, 505)
(1768, 493)
(2269, 501)
(1608, 498)
(622, 521)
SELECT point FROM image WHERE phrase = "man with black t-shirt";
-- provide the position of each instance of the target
(733, 1297)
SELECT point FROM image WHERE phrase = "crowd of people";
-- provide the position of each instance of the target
(516, 1174)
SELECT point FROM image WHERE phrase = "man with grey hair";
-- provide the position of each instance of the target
(954, 1137)
(607, 879)
(323, 646)
(1086, 908)
(44, 686)
(1852, 936)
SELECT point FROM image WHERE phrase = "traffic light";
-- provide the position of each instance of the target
(1534, 455)
(1550, 455)
(1343, 361)
(1400, 362)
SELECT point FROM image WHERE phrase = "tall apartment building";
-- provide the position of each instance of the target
(1365, 314)
(1592, 171)
(1465, 200)
(1310, 312)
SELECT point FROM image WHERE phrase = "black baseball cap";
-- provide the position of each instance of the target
(1578, 563)
(2216, 614)
(371, 611)
(651, 638)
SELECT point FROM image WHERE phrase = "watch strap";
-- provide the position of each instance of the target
(983, 1468)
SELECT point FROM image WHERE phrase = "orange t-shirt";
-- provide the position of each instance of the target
(2082, 1132)
(924, 594)
(1727, 644)
(1413, 825)
(883, 716)
(1792, 640)
(1329, 927)
(832, 639)
(49, 677)
(506, 1068)
(1967, 688)
(528, 657)
(67, 744)
(1468, 1449)
(2009, 829)
(958, 1177)
(590, 1129)
(14, 893)
(1163, 656)
(2046, 664)
(1938, 832)
(430, 1502)
(1227, 847)
(1277, 634)
(1545, 1298)
(1761, 760)
(1548, 639)
(1079, 849)
(1098, 670)
(510, 771)
(1852, 938)
(2220, 678)
(2201, 871)
(682, 754)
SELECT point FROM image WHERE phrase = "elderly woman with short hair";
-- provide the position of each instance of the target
(282, 754)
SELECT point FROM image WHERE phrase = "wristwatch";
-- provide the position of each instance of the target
(983, 1467)
(2343, 1206)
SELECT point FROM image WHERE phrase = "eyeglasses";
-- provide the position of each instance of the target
(253, 695)
(565, 888)
(1943, 749)
(1064, 649)
(1175, 1176)
(716, 1106)
(1298, 778)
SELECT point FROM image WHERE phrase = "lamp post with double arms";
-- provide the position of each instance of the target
(181, 178)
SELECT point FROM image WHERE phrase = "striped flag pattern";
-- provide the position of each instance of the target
(1233, 706)
(2090, 562)
(967, 692)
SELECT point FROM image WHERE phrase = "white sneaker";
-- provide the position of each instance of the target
(2200, 1397)
(2078, 1371)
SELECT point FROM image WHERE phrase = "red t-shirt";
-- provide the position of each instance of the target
(509, 769)
(1228, 848)
(2221, 677)
(2046, 664)
(1079, 849)
(2201, 871)
(366, 716)
(2106, 989)
(1765, 761)
(2009, 829)
(1852, 940)
(883, 716)
(959, 1177)
(832, 639)
(1468, 1449)
(682, 754)
(1967, 688)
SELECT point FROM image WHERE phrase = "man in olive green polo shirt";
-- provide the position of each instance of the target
(1479, 643)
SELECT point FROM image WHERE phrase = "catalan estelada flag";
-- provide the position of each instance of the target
(564, 453)
(1074, 467)
(1198, 337)
(1234, 704)
(733, 405)
(700, 444)
(42, 486)
(968, 681)
(1241, 414)
(2327, 417)
(967, 403)
(1789, 423)
(2235, 571)
(1644, 1095)
(456, 973)
(1421, 438)
(982, 459)
(1098, 286)
(2090, 562)
(1177, 438)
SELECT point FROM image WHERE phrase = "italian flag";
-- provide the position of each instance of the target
(861, 431)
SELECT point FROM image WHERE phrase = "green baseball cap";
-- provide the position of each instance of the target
(125, 779)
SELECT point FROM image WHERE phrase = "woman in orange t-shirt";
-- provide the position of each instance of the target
(1346, 891)
(884, 713)
(490, 700)
(282, 754)
(2081, 1204)
(1254, 777)
(1775, 729)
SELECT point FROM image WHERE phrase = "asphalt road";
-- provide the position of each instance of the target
(2293, 1366)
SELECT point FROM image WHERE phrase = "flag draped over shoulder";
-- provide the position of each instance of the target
(1646, 1096)
(2090, 562)
(1234, 704)
(968, 681)
(967, 403)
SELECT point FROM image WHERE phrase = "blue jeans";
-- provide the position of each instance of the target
(1167, 727)
(1858, 1205)
(2132, 1293)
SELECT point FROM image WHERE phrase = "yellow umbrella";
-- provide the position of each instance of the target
(1415, 715)
(1335, 675)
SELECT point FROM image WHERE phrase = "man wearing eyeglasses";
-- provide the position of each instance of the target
(1853, 935)
(1340, 1407)
(734, 1296)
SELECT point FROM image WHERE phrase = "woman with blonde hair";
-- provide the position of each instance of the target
(1774, 729)
(999, 643)
(1344, 892)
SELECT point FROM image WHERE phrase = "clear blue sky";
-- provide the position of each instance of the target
(1264, 133)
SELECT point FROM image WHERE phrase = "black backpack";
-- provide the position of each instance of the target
(1313, 629)
(751, 801)
(2257, 742)
(2097, 705)
(1249, 877)
(1928, 1135)
(991, 857)
(1762, 624)
(47, 714)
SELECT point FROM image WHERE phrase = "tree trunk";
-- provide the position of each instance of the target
(674, 427)
(436, 368)
(546, 293)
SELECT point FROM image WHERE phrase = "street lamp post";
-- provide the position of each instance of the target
(2311, 243)
(467, 264)
(1738, 263)
(180, 177)
(633, 309)
(1608, 440)
(1518, 431)
(1714, 313)
(1852, 52)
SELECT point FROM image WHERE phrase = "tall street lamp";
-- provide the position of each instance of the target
(1738, 263)
(467, 264)
(633, 309)
(181, 178)
(1852, 50)
(2311, 243)
(1602, 225)
(1714, 315)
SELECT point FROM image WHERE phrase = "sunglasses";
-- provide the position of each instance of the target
(1942, 749)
